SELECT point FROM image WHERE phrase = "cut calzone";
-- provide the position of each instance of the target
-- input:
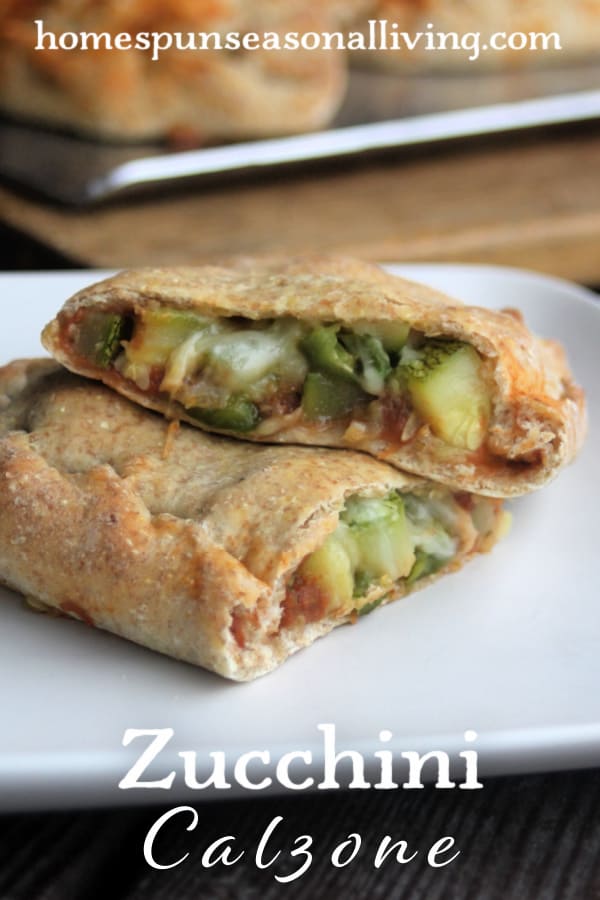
(227, 554)
(335, 353)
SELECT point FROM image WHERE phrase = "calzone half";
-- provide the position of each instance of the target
(224, 553)
(335, 353)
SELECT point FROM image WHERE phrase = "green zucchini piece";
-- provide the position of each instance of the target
(380, 529)
(328, 397)
(325, 353)
(393, 335)
(238, 415)
(386, 548)
(425, 564)
(362, 583)
(100, 335)
(448, 391)
(373, 362)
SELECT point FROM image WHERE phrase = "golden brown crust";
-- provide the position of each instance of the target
(538, 420)
(165, 538)
(187, 95)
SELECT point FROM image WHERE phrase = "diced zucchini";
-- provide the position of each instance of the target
(325, 353)
(432, 525)
(447, 390)
(354, 355)
(158, 332)
(99, 337)
(239, 415)
(386, 548)
(373, 546)
(382, 536)
(393, 335)
(362, 583)
(331, 567)
(344, 355)
(425, 564)
(373, 362)
(366, 510)
(328, 397)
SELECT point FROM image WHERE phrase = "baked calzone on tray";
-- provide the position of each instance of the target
(186, 95)
(224, 553)
(338, 353)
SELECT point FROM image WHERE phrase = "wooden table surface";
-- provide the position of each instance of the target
(526, 838)
(531, 200)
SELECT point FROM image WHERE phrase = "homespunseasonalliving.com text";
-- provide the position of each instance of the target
(379, 34)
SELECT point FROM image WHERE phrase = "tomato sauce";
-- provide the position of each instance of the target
(395, 414)
(156, 375)
(304, 600)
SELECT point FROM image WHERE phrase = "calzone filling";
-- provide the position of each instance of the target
(258, 377)
(381, 544)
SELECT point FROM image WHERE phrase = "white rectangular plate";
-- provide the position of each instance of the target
(507, 647)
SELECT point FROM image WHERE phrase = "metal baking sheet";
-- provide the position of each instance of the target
(381, 111)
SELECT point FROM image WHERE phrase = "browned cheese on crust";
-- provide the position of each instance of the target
(538, 419)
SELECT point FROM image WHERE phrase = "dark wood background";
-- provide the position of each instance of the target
(525, 838)
(529, 200)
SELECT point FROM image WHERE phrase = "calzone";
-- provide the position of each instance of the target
(166, 69)
(224, 553)
(336, 353)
